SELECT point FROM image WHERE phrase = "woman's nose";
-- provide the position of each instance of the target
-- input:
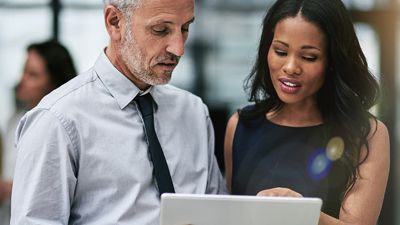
(292, 67)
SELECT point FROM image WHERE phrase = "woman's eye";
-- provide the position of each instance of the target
(310, 58)
(280, 53)
(33, 75)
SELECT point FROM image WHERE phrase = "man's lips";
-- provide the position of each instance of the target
(167, 65)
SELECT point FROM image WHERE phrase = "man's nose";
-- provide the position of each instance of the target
(176, 44)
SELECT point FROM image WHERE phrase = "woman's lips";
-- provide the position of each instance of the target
(289, 86)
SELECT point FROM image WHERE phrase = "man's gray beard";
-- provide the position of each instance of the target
(134, 58)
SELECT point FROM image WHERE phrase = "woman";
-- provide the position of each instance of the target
(48, 65)
(309, 132)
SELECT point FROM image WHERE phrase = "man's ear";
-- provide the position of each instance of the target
(114, 21)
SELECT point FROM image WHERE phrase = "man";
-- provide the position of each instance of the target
(48, 65)
(85, 152)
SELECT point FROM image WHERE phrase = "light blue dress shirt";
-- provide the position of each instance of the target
(82, 156)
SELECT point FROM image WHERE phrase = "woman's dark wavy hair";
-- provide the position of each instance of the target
(349, 90)
(59, 63)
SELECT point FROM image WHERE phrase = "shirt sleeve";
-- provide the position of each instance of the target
(215, 183)
(45, 172)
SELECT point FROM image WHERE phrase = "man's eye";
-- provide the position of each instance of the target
(185, 29)
(160, 30)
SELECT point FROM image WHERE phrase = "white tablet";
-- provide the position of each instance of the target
(181, 209)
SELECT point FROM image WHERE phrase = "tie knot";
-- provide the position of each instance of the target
(145, 103)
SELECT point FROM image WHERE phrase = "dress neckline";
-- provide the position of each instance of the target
(291, 127)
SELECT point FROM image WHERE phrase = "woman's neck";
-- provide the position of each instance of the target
(296, 115)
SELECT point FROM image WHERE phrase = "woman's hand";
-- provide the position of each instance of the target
(5, 191)
(279, 192)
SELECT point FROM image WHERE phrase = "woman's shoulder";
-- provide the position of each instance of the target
(232, 122)
(378, 143)
(236, 117)
(378, 130)
(247, 108)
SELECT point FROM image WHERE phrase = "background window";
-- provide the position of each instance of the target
(18, 30)
(84, 34)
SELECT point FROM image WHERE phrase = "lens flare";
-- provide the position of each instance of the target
(319, 165)
(335, 148)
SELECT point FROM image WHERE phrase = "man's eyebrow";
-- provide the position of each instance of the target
(190, 21)
(159, 21)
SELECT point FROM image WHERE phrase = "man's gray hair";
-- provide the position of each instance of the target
(123, 5)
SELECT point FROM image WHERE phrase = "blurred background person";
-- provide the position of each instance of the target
(48, 65)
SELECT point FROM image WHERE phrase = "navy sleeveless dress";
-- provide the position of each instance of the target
(267, 155)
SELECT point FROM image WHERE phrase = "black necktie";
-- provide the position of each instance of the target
(161, 171)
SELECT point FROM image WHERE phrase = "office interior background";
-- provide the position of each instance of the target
(220, 52)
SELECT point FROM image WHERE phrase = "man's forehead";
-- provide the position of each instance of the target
(166, 5)
(174, 11)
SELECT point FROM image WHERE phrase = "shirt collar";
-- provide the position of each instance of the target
(146, 91)
(119, 86)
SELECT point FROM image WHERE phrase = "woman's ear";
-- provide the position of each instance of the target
(114, 20)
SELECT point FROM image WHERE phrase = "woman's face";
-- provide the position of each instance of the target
(297, 60)
(35, 82)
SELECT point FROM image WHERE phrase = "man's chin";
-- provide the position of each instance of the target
(159, 80)
(162, 77)
(163, 81)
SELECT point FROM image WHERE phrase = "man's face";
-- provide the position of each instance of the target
(154, 38)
